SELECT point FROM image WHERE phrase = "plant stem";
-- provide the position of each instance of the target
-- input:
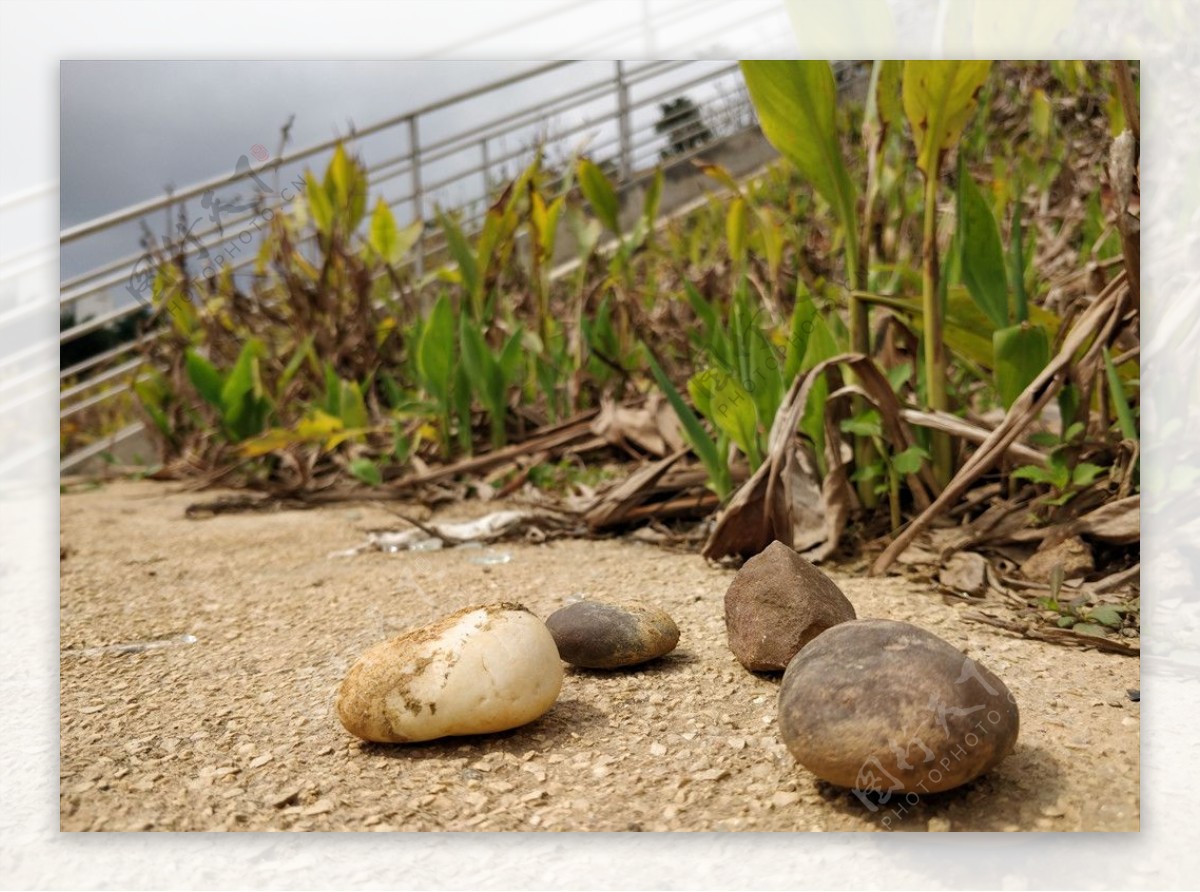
(893, 482)
(857, 260)
(1128, 97)
(935, 346)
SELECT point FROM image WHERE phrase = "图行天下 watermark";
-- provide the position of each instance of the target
(891, 798)
(214, 257)
(717, 375)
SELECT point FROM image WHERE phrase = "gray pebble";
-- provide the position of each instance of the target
(596, 635)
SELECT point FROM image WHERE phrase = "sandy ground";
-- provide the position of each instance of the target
(237, 731)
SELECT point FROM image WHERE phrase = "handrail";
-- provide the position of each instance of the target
(633, 88)
(145, 207)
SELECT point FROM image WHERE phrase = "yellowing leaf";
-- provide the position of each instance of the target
(318, 425)
(939, 98)
(600, 194)
(735, 231)
(720, 174)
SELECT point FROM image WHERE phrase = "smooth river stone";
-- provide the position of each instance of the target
(480, 670)
(886, 706)
(776, 604)
(596, 635)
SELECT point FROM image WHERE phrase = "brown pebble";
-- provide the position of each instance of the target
(882, 705)
(777, 603)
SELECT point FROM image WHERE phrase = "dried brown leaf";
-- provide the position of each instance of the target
(1119, 523)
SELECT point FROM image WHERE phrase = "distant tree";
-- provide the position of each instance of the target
(683, 126)
(123, 331)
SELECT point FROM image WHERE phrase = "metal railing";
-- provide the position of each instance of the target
(620, 121)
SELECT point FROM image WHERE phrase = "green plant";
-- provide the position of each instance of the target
(939, 98)
(1083, 616)
(1065, 477)
(796, 104)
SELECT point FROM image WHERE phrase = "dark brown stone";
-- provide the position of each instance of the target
(777, 603)
(886, 706)
(596, 635)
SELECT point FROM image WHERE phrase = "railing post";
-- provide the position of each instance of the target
(418, 198)
(623, 122)
(483, 150)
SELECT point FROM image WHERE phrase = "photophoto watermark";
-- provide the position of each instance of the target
(214, 257)
(717, 375)
(890, 797)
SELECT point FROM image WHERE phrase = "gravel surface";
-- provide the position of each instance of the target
(237, 731)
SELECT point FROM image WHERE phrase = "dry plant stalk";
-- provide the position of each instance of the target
(762, 510)
(1097, 322)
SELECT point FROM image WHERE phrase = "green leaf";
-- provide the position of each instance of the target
(1089, 629)
(1041, 114)
(511, 356)
(392, 391)
(982, 253)
(320, 208)
(1125, 419)
(803, 315)
(353, 407)
(462, 254)
(241, 382)
(702, 444)
(435, 353)
(153, 392)
(939, 98)
(821, 346)
(731, 408)
(888, 104)
(703, 310)
(1084, 473)
(1065, 622)
(407, 238)
(477, 359)
(333, 391)
(766, 381)
(796, 103)
(899, 376)
(968, 331)
(600, 194)
(1057, 477)
(653, 197)
(1106, 615)
(909, 461)
(871, 471)
(866, 424)
(204, 377)
(1021, 353)
(774, 239)
(367, 471)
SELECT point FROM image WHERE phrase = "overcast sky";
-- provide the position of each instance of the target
(131, 128)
